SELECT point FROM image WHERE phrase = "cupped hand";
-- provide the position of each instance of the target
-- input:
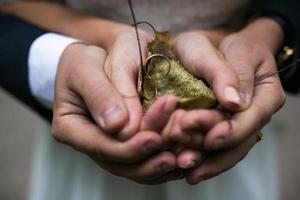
(250, 55)
(82, 95)
(197, 50)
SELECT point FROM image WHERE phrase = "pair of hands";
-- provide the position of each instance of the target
(97, 110)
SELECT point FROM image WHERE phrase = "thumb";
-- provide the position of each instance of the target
(203, 60)
(88, 80)
(244, 66)
(121, 67)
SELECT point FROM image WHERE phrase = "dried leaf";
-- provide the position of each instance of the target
(159, 78)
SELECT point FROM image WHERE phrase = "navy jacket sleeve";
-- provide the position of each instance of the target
(289, 10)
(16, 37)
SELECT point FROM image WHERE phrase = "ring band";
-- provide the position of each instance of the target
(259, 136)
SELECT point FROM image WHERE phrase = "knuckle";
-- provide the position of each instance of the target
(58, 130)
(95, 52)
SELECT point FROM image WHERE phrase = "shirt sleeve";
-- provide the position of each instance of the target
(16, 37)
(44, 55)
(18, 41)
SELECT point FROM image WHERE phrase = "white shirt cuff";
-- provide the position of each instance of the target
(44, 56)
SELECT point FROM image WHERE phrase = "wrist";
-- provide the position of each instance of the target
(43, 59)
(98, 32)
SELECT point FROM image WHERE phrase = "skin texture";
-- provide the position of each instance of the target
(97, 110)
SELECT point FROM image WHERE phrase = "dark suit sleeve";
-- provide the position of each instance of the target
(16, 37)
(289, 11)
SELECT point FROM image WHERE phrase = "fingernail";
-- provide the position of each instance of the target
(110, 117)
(189, 164)
(232, 95)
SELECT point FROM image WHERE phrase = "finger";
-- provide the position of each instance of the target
(267, 99)
(85, 136)
(149, 170)
(121, 68)
(219, 162)
(190, 158)
(201, 120)
(200, 57)
(103, 101)
(173, 132)
(189, 128)
(244, 61)
(159, 113)
(196, 141)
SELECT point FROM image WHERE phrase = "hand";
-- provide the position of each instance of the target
(198, 52)
(82, 95)
(249, 53)
(121, 69)
(199, 164)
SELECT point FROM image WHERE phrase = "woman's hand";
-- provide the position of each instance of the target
(249, 54)
(197, 50)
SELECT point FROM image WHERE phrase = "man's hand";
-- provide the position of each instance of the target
(121, 68)
(83, 97)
